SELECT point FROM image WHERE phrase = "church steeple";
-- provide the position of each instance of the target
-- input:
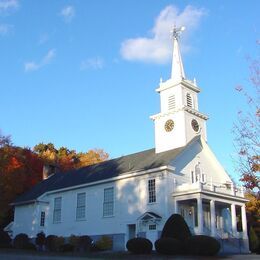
(179, 120)
(177, 66)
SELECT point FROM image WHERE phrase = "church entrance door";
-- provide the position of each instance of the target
(152, 233)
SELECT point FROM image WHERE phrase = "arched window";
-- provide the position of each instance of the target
(197, 172)
(189, 100)
(198, 175)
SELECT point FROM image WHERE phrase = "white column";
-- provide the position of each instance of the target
(200, 216)
(234, 220)
(244, 222)
(212, 218)
(176, 209)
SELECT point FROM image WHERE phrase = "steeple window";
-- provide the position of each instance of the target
(189, 100)
(171, 102)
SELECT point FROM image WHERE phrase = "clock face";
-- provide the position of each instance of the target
(195, 125)
(169, 125)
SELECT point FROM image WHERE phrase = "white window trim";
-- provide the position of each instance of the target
(148, 191)
(42, 219)
(113, 203)
(77, 207)
(55, 211)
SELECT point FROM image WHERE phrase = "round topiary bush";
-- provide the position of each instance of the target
(5, 240)
(21, 241)
(40, 240)
(202, 245)
(169, 246)
(176, 227)
(139, 245)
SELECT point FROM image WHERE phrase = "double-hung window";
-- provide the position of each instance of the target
(151, 191)
(42, 222)
(81, 206)
(108, 205)
(57, 210)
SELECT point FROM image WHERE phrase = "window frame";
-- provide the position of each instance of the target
(57, 210)
(108, 202)
(81, 207)
(42, 219)
(151, 191)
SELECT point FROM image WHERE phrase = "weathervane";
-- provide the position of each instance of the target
(177, 31)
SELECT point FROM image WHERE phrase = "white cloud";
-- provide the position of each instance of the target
(5, 29)
(32, 65)
(157, 48)
(92, 63)
(8, 5)
(68, 12)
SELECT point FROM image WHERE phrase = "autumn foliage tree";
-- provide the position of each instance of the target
(247, 143)
(247, 132)
(66, 159)
(21, 168)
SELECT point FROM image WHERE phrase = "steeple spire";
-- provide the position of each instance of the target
(177, 67)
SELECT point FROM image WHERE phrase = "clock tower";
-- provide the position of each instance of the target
(179, 120)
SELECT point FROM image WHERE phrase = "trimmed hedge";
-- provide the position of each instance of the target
(176, 227)
(21, 241)
(5, 240)
(53, 243)
(139, 245)
(85, 243)
(81, 243)
(66, 248)
(169, 246)
(202, 245)
(104, 243)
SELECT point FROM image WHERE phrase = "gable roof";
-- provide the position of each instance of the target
(106, 170)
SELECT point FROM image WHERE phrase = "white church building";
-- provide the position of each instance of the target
(134, 195)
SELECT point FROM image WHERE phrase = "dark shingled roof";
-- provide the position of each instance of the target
(101, 171)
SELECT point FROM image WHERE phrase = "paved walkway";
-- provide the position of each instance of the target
(12, 255)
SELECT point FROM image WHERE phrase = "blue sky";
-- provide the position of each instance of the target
(83, 74)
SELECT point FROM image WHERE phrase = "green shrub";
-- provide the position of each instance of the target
(30, 246)
(85, 243)
(66, 248)
(21, 241)
(169, 246)
(40, 240)
(53, 243)
(74, 240)
(176, 227)
(81, 243)
(5, 240)
(253, 240)
(139, 245)
(202, 245)
(104, 243)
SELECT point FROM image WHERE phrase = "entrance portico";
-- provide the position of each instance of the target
(214, 214)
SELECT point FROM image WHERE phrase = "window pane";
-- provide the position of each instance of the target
(81, 206)
(108, 206)
(151, 191)
(57, 210)
(42, 222)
